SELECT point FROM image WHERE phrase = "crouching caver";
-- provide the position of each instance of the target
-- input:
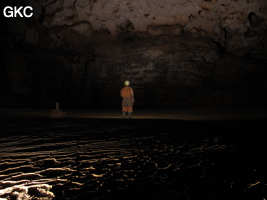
(127, 100)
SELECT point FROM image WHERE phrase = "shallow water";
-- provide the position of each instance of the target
(138, 159)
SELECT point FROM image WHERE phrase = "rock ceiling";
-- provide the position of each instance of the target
(202, 48)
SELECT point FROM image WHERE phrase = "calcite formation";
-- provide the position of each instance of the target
(175, 52)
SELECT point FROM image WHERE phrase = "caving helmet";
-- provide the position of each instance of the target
(127, 82)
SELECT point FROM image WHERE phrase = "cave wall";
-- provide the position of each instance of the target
(174, 52)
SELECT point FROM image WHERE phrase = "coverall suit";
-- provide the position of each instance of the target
(127, 100)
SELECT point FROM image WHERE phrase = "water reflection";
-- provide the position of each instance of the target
(81, 159)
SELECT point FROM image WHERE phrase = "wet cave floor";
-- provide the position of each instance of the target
(94, 158)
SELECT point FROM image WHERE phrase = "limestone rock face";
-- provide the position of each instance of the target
(235, 25)
(174, 52)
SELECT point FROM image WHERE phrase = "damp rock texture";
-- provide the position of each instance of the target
(174, 52)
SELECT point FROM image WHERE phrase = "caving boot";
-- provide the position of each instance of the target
(122, 115)
(130, 114)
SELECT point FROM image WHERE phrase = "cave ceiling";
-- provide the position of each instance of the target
(236, 26)
(188, 45)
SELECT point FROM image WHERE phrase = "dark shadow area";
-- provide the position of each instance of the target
(198, 74)
(75, 158)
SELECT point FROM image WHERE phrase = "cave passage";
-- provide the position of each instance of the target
(80, 53)
(198, 72)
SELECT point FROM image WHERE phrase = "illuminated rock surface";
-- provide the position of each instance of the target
(174, 52)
